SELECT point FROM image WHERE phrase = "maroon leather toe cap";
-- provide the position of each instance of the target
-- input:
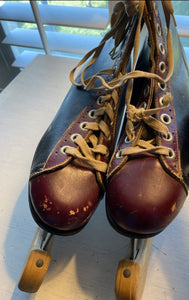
(142, 198)
(64, 199)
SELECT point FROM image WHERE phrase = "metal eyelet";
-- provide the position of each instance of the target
(162, 67)
(162, 49)
(162, 86)
(158, 29)
(118, 155)
(146, 90)
(171, 154)
(127, 141)
(83, 126)
(143, 105)
(74, 136)
(169, 137)
(91, 114)
(166, 119)
(63, 150)
(99, 101)
(161, 101)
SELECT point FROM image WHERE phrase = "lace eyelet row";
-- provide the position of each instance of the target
(72, 138)
(165, 118)
(171, 154)
(162, 65)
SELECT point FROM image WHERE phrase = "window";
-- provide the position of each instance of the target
(71, 27)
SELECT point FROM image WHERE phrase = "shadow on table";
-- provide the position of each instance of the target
(169, 264)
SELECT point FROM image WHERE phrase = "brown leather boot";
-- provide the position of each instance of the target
(148, 175)
(69, 166)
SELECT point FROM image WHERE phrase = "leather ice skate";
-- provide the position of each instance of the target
(69, 166)
(147, 179)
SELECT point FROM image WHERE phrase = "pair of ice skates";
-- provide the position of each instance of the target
(121, 130)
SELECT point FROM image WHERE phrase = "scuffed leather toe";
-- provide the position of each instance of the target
(64, 199)
(142, 198)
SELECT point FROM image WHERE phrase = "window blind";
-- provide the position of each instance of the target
(50, 15)
(52, 41)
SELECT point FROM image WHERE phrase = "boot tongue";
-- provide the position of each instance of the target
(131, 7)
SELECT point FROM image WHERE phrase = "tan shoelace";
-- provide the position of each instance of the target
(88, 150)
(86, 154)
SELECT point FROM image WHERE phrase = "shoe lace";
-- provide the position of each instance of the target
(90, 149)
(87, 151)
(135, 115)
